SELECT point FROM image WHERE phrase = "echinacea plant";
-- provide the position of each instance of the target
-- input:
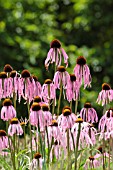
(49, 134)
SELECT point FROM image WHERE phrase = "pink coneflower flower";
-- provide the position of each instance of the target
(61, 76)
(3, 140)
(8, 86)
(56, 150)
(26, 86)
(73, 87)
(15, 127)
(55, 54)
(13, 81)
(106, 125)
(84, 133)
(55, 132)
(82, 71)
(88, 114)
(91, 163)
(67, 119)
(8, 111)
(37, 162)
(99, 156)
(3, 85)
(37, 86)
(106, 95)
(36, 116)
(47, 114)
(48, 91)
(35, 112)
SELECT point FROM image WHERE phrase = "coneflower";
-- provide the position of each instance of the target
(36, 117)
(91, 163)
(3, 140)
(15, 127)
(73, 88)
(84, 139)
(88, 113)
(48, 91)
(37, 86)
(8, 111)
(37, 162)
(61, 76)
(47, 114)
(82, 72)
(55, 54)
(3, 85)
(26, 86)
(106, 95)
(67, 119)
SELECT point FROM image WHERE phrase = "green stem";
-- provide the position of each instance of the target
(76, 105)
(112, 149)
(68, 153)
(30, 133)
(109, 143)
(48, 145)
(59, 100)
(71, 104)
(77, 143)
(14, 147)
(14, 99)
(72, 140)
(53, 107)
(12, 158)
(24, 137)
(90, 144)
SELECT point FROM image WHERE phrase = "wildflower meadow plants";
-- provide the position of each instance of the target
(53, 136)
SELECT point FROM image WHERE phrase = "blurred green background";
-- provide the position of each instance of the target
(84, 27)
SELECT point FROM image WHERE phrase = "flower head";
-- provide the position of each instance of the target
(48, 90)
(67, 119)
(106, 95)
(3, 140)
(36, 162)
(84, 132)
(8, 111)
(91, 162)
(73, 86)
(55, 54)
(88, 113)
(15, 127)
(82, 71)
(61, 76)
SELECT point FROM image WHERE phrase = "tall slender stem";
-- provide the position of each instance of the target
(77, 143)
(11, 151)
(14, 151)
(76, 105)
(48, 145)
(71, 104)
(109, 143)
(112, 148)
(53, 107)
(14, 99)
(30, 133)
(68, 152)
